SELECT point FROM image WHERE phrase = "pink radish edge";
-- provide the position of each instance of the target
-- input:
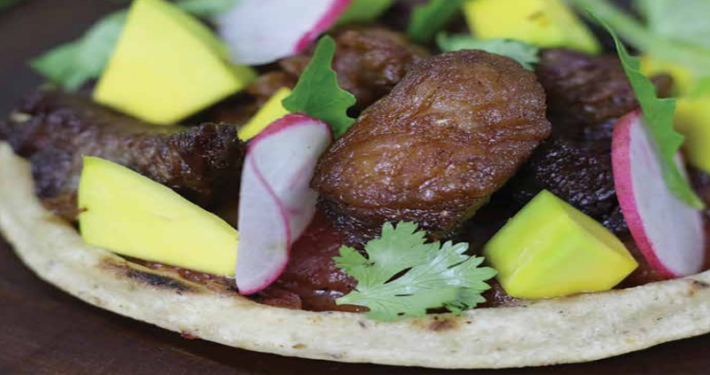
(287, 122)
(284, 217)
(623, 180)
(329, 19)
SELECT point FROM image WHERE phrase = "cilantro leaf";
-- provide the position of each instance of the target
(658, 118)
(428, 19)
(681, 21)
(72, 64)
(432, 275)
(317, 92)
(524, 53)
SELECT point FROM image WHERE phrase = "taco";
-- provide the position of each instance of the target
(487, 208)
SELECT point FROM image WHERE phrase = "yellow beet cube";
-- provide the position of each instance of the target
(272, 110)
(167, 66)
(551, 249)
(133, 215)
(544, 23)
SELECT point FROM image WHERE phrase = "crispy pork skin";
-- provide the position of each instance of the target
(449, 135)
(54, 129)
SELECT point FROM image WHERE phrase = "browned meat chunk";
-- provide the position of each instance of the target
(311, 280)
(55, 129)
(585, 96)
(580, 173)
(587, 91)
(449, 135)
(267, 84)
(369, 61)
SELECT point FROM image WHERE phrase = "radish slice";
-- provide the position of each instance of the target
(668, 232)
(276, 202)
(263, 31)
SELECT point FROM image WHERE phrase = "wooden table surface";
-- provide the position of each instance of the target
(44, 331)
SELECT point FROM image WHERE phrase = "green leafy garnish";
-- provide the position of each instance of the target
(72, 64)
(364, 10)
(524, 53)
(658, 118)
(694, 57)
(428, 19)
(403, 276)
(318, 94)
(684, 21)
(206, 8)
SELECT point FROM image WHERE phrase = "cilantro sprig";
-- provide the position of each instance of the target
(318, 94)
(72, 64)
(658, 117)
(428, 19)
(524, 53)
(403, 276)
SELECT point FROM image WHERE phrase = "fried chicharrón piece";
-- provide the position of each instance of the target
(451, 133)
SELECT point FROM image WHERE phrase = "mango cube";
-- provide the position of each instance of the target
(692, 119)
(544, 23)
(272, 110)
(551, 249)
(167, 66)
(135, 216)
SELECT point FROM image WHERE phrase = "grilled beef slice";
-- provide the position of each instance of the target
(54, 129)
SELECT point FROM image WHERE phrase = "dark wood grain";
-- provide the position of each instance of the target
(44, 331)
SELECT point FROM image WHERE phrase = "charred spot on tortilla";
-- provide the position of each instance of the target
(151, 279)
(696, 286)
(158, 281)
(443, 324)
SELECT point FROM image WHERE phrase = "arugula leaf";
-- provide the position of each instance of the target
(428, 19)
(524, 53)
(73, 64)
(318, 94)
(658, 118)
(681, 21)
(432, 275)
